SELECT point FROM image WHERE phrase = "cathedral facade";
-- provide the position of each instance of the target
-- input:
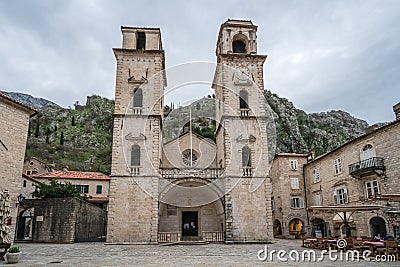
(191, 187)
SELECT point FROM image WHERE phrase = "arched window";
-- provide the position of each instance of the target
(238, 46)
(367, 152)
(135, 155)
(141, 41)
(138, 98)
(243, 100)
(246, 157)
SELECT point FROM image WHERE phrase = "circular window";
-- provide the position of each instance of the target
(190, 158)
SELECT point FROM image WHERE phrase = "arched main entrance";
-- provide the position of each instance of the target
(296, 227)
(193, 210)
(377, 226)
(24, 225)
(277, 228)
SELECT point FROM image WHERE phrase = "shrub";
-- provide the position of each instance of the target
(13, 250)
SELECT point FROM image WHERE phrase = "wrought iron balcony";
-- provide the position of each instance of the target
(367, 167)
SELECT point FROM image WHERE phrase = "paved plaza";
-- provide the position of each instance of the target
(99, 254)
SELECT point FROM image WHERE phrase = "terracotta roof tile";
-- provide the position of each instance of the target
(74, 175)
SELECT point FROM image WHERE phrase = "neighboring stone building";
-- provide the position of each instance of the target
(288, 197)
(28, 186)
(364, 171)
(14, 124)
(94, 184)
(190, 187)
(34, 166)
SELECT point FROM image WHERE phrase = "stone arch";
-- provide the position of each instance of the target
(191, 195)
(318, 226)
(277, 228)
(219, 191)
(239, 43)
(135, 155)
(296, 226)
(138, 98)
(378, 225)
(24, 227)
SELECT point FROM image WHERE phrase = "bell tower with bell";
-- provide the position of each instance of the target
(242, 147)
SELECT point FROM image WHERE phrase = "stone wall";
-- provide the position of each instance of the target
(13, 134)
(66, 220)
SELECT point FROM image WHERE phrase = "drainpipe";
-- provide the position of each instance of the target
(305, 194)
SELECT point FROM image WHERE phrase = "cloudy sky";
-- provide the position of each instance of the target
(323, 55)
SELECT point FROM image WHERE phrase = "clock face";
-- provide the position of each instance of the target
(242, 73)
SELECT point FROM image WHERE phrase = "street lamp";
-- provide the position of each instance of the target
(20, 199)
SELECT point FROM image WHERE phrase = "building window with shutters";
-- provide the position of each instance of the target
(371, 188)
(315, 173)
(338, 165)
(296, 203)
(294, 183)
(340, 196)
(99, 189)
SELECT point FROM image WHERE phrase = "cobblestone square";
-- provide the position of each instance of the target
(99, 254)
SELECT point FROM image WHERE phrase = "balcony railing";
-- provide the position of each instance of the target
(366, 167)
(244, 112)
(169, 237)
(137, 111)
(135, 171)
(192, 172)
(247, 171)
(213, 236)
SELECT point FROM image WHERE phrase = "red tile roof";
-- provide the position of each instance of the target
(30, 178)
(73, 175)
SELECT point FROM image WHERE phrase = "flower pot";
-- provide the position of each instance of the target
(12, 257)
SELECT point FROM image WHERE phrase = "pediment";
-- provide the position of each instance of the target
(340, 182)
(141, 80)
(132, 137)
(250, 139)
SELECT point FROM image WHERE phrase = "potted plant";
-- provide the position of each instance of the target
(13, 254)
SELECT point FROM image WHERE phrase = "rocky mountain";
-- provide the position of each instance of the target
(300, 132)
(77, 139)
(81, 138)
(31, 101)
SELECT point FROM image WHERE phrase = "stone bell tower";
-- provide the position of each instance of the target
(136, 152)
(242, 133)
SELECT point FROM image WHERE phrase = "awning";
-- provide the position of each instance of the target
(344, 208)
(340, 216)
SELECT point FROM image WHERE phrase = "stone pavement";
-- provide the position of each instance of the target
(99, 254)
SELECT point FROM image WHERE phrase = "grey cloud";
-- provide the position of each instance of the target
(322, 54)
